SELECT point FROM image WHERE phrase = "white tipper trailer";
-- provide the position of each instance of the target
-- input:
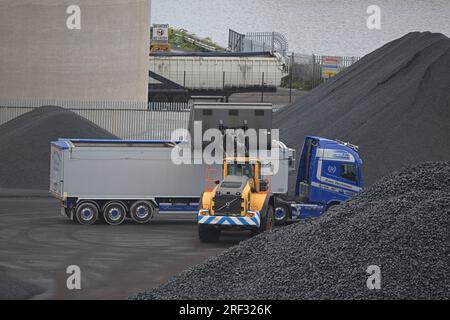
(120, 179)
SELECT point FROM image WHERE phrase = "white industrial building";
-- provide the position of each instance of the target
(74, 50)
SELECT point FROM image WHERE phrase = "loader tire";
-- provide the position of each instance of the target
(267, 222)
(208, 234)
(270, 219)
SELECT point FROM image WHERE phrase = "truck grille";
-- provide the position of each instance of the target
(227, 205)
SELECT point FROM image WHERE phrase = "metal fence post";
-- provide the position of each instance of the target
(273, 42)
(313, 72)
(223, 86)
(290, 77)
(262, 88)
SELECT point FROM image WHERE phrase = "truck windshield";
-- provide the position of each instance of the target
(239, 169)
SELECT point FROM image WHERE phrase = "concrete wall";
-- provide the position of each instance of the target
(107, 60)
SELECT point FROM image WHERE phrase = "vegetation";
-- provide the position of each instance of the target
(183, 40)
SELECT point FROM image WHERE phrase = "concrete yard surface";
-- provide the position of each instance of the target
(37, 245)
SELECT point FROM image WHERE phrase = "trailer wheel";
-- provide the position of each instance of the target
(114, 213)
(208, 234)
(281, 214)
(86, 213)
(142, 211)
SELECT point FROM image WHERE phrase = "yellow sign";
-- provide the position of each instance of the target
(160, 47)
(330, 66)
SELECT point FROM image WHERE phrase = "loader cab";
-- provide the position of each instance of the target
(245, 167)
(329, 171)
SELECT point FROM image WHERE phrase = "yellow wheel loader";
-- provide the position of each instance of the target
(241, 201)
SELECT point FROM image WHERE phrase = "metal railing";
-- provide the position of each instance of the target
(155, 122)
(257, 42)
(74, 103)
(318, 62)
(266, 41)
(235, 41)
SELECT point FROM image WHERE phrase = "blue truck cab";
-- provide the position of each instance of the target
(329, 173)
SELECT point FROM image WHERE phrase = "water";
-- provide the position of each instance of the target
(332, 27)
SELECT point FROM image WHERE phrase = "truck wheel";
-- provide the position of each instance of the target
(208, 234)
(114, 213)
(281, 214)
(86, 213)
(142, 211)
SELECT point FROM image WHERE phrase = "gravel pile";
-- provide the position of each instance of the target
(25, 144)
(12, 288)
(394, 103)
(400, 224)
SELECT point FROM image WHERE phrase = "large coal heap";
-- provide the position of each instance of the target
(394, 103)
(25, 144)
(400, 224)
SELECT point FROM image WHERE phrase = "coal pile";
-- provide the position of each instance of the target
(400, 224)
(25, 144)
(394, 103)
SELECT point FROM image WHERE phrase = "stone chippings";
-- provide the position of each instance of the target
(400, 224)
